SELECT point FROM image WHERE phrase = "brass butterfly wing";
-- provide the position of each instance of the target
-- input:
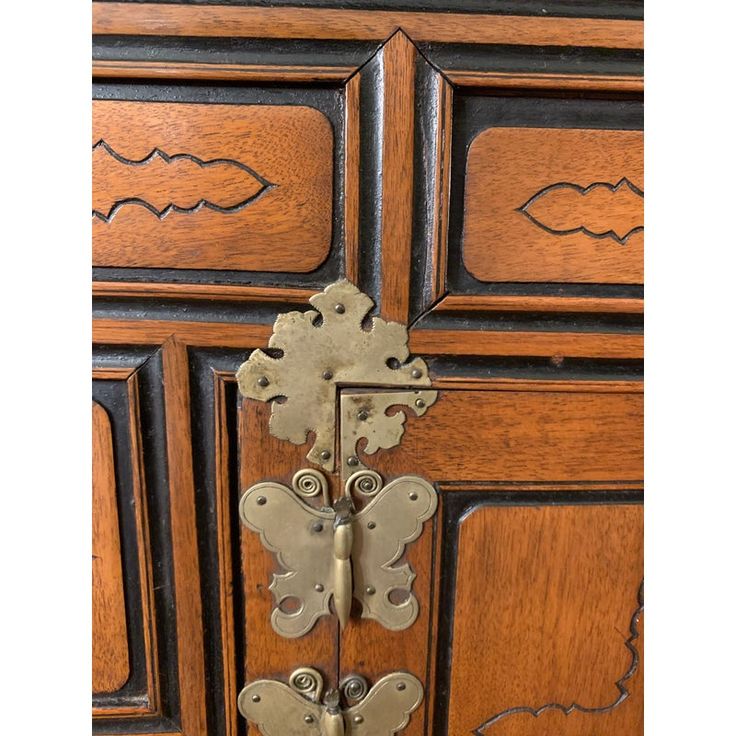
(387, 707)
(381, 532)
(301, 538)
(279, 711)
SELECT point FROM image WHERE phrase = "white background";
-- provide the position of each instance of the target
(45, 361)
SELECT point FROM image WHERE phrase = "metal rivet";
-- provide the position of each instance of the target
(327, 375)
(319, 587)
(340, 308)
(416, 373)
(358, 719)
(413, 496)
(363, 415)
(256, 698)
(420, 403)
(318, 526)
(261, 500)
(263, 381)
(352, 460)
(325, 454)
(308, 719)
(401, 686)
(371, 524)
(370, 590)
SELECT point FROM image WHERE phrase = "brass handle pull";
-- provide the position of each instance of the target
(337, 553)
(299, 709)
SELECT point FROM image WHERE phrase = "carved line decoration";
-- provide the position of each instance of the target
(568, 709)
(604, 192)
(259, 184)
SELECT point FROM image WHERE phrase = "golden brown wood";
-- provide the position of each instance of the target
(442, 189)
(352, 177)
(150, 704)
(207, 292)
(516, 80)
(226, 564)
(518, 435)
(368, 649)
(193, 20)
(190, 644)
(539, 344)
(545, 599)
(263, 457)
(252, 190)
(556, 205)
(397, 164)
(501, 303)
(104, 68)
(202, 334)
(110, 664)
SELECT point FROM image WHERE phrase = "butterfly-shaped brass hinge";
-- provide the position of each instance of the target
(298, 709)
(337, 552)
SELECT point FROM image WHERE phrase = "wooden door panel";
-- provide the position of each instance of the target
(208, 186)
(537, 488)
(267, 654)
(577, 434)
(549, 204)
(110, 662)
(546, 607)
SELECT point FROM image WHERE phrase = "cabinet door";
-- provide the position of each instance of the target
(475, 171)
(530, 583)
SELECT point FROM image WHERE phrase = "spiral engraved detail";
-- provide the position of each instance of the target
(354, 688)
(308, 482)
(307, 682)
(368, 482)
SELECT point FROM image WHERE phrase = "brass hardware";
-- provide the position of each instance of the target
(325, 349)
(363, 416)
(337, 552)
(298, 709)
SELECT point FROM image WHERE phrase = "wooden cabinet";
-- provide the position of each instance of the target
(476, 169)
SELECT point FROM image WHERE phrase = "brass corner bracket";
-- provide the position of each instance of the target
(337, 345)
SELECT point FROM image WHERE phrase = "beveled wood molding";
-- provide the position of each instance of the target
(105, 68)
(559, 304)
(200, 334)
(152, 705)
(523, 80)
(206, 292)
(146, 19)
(557, 345)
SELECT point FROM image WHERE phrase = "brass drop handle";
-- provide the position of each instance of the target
(297, 708)
(337, 553)
(342, 545)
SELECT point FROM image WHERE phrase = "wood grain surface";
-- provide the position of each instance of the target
(517, 435)
(546, 612)
(545, 344)
(544, 204)
(513, 303)
(184, 185)
(397, 175)
(189, 624)
(110, 663)
(263, 457)
(207, 20)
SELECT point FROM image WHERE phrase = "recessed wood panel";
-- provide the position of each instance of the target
(507, 435)
(555, 205)
(110, 664)
(547, 621)
(211, 186)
